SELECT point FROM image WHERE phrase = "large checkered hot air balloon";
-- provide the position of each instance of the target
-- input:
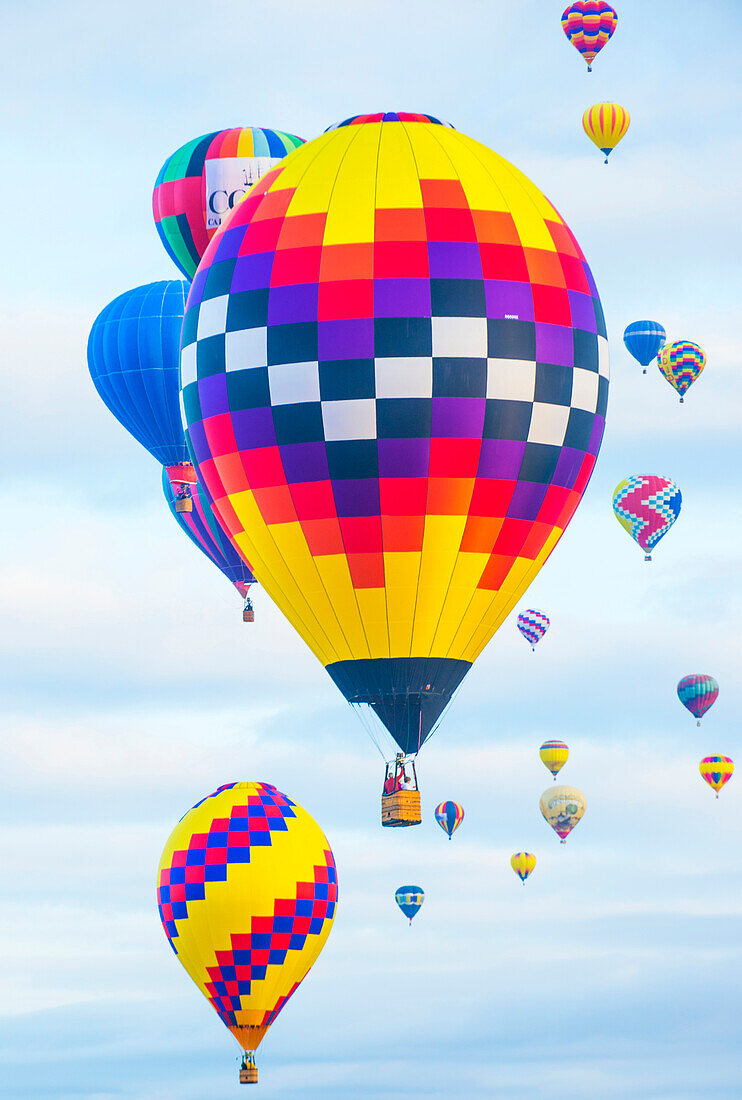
(394, 377)
(246, 891)
(200, 183)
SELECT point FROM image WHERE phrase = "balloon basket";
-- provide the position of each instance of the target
(647, 557)
(183, 504)
(248, 615)
(249, 1075)
(401, 809)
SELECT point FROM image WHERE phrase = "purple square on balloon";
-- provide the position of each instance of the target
(229, 244)
(404, 457)
(590, 280)
(199, 443)
(500, 458)
(252, 272)
(596, 435)
(554, 344)
(357, 497)
(212, 395)
(454, 260)
(402, 298)
(253, 428)
(527, 498)
(304, 462)
(352, 339)
(196, 292)
(508, 299)
(582, 310)
(567, 467)
(290, 304)
(458, 417)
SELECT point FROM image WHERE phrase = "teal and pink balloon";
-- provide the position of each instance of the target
(449, 816)
(409, 899)
(643, 339)
(697, 693)
(680, 364)
(646, 506)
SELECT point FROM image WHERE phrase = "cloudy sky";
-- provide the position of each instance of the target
(131, 688)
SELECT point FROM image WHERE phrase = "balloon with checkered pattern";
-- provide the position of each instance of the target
(394, 375)
(646, 506)
(589, 25)
(246, 891)
(533, 625)
(680, 364)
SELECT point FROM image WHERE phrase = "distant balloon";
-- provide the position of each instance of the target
(588, 25)
(562, 808)
(554, 755)
(697, 693)
(409, 899)
(449, 816)
(605, 124)
(522, 863)
(643, 340)
(533, 625)
(247, 891)
(681, 363)
(202, 528)
(204, 180)
(133, 355)
(716, 770)
(646, 506)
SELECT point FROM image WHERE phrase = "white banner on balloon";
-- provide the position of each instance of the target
(228, 180)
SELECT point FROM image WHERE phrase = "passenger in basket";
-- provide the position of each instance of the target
(405, 783)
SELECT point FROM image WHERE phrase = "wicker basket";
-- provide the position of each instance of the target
(401, 809)
(183, 504)
(249, 1075)
(248, 615)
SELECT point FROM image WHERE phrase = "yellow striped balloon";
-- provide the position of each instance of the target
(716, 770)
(554, 756)
(605, 124)
(247, 890)
(523, 863)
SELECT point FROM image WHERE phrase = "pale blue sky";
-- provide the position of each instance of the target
(131, 688)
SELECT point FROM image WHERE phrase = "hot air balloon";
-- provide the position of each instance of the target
(409, 899)
(589, 24)
(647, 506)
(133, 351)
(643, 340)
(533, 625)
(247, 890)
(697, 693)
(202, 528)
(449, 816)
(681, 363)
(523, 863)
(395, 375)
(716, 770)
(554, 756)
(202, 182)
(605, 124)
(562, 808)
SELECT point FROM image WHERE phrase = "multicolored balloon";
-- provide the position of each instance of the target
(562, 808)
(554, 756)
(533, 625)
(523, 863)
(409, 899)
(716, 770)
(589, 24)
(202, 182)
(395, 375)
(646, 506)
(643, 339)
(247, 890)
(681, 363)
(202, 528)
(449, 816)
(133, 352)
(605, 124)
(697, 693)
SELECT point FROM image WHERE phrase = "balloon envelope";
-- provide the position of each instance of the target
(562, 808)
(697, 693)
(201, 183)
(247, 890)
(680, 364)
(395, 376)
(588, 25)
(449, 816)
(646, 506)
(554, 756)
(133, 352)
(523, 863)
(409, 899)
(716, 770)
(605, 124)
(533, 625)
(202, 528)
(643, 339)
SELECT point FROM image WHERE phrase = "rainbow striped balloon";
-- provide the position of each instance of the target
(523, 863)
(716, 770)
(554, 756)
(589, 25)
(449, 816)
(646, 506)
(681, 363)
(697, 693)
(533, 625)
(605, 124)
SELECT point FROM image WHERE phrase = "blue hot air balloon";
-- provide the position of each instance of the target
(643, 340)
(409, 899)
(133, 357)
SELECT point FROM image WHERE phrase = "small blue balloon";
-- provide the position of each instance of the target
(644, 339)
